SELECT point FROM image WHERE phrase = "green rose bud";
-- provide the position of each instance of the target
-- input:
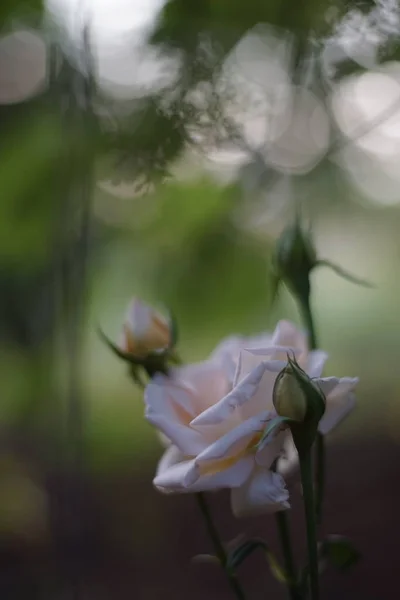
(288, 396)
(297, 398)
(295, 257)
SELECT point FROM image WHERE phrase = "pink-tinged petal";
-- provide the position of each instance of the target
(160, 394)
(289, 460)
(172, 471)
(251, 358)
(262, 397)
(235, 441)
(172, 456)
(226, 354)
(230, 477)
(207, 382)
(340, 400)
(189, 441)
(315, 363)
(138, 317)
(168, 409)
(289, 335)
(177, 477)
(271, 451)
(227, 408)
(263, 492)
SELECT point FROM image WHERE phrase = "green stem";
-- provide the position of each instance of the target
(319, 475)
(311, 525)
(320, 442)
(284, 534)
(306, 313)
(218, 546)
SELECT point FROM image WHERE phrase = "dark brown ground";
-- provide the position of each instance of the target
(138, 543)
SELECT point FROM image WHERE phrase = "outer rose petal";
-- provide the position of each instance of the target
(315, 363)
(290, 458)
(226, 354)
(248, 361)
(207, 382)
(232, 444)
(167, 410)
(272, 450)
(288, 335)
(227, 408)
(173, 474)
(340, 400)
(263, 492)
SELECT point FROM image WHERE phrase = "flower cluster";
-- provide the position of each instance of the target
(213, 415)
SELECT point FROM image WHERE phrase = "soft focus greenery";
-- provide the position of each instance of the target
(195, 245)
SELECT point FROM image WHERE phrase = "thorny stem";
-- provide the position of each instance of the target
(218, 546)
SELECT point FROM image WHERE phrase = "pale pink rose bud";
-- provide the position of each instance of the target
(145, 330)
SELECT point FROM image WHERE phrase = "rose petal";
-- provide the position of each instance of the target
(315, 363)
(207, 382)
(177, 477)
(266, 456)
(236, 440)
(227, 408)
(226, 354)
(340, 400)
(288, 335)
(167, 409)
(263, 492)
(289, 460)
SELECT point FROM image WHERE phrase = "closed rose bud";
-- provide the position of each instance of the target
(288, 396)
(294, 258)
(145, 330)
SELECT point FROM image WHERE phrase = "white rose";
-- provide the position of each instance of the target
(144, 330)
(214, 423)
(214, 428)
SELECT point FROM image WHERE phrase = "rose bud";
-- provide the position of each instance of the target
(145, 330)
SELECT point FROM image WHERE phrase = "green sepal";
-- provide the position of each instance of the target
(154, 362)
(344, 274)
(273, 425)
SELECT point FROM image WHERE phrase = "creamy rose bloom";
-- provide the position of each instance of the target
(214, 428)
(144, 330)
(214, 422)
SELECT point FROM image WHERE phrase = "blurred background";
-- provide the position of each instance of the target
(158, 149)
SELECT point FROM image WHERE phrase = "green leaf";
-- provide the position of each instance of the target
(237, 556)
(339, 552)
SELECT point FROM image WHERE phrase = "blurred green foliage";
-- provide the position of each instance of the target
(185, 245)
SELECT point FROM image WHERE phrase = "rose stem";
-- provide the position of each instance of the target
(218, 546)
(308, 319)
(311, 525)
(284, 534)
